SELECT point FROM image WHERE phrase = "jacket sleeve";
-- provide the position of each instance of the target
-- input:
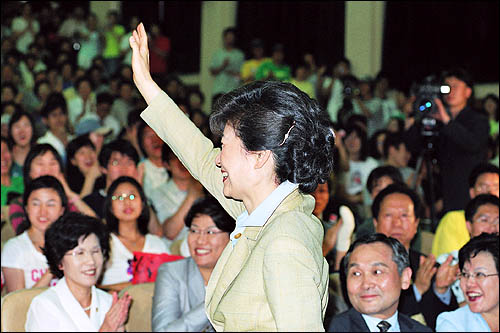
(469, 138)
(167, 312)
(194, 150)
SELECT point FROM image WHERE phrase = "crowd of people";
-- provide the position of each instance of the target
(90, 179)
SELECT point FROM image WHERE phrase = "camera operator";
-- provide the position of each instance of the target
(461, 138)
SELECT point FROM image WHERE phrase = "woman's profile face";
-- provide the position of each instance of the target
(82, 265)
(43, 165)
(481, 294)
(205, 241)
(84, 158)
(44, 207)
(126, 202)
(235, 165)
(22, 132)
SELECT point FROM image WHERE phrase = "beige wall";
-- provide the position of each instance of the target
(364, 22)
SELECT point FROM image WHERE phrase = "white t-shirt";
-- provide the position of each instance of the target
(357, 176)
(19, 252)
(117, 267)
(153, 177)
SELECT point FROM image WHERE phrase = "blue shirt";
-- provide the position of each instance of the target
(372, 322)
(262, 213)
(461, 320)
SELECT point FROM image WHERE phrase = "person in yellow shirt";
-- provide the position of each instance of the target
(301, 82)
(250, 66)
(451, 233)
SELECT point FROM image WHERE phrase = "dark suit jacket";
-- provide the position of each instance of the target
(430, 305)
(352, 321)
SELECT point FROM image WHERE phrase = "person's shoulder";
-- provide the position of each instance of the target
(447, 320)
(342, 322)
(15, 244)
(411, 325)
(452, 216)
(155, 244)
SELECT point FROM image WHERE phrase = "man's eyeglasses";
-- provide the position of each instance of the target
(208, 232)
(478, 276)
(123, 197)
(485, 219)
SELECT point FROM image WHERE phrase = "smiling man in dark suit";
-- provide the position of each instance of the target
(377, 269)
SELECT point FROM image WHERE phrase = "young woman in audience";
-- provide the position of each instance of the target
(43, 160)
(82, 166)
(23, 262)
(10, 184)
(179, 297)
(76, 247)
(353, 184)
(478, 262)
(22, 136)
(127, 216)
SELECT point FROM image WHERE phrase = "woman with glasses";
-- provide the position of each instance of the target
(478, 262)
(127, 216)
(179, 298)
(76, 247)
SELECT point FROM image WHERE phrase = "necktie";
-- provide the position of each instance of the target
(383, 326)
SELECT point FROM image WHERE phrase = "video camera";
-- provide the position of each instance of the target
(424, 106)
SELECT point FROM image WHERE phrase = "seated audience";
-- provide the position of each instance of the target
(82, 167)
(155, 174)
(397, 155)
(179, 298)
(76, 247)
(379, 178)
(22, 135)
(55, 117)
(43, 160)
(11, 186)
(127, 216)
(377, 268)
(451, 233)
(481, 215)
(173, 199)
(478, 261)
(396, 213)
(23, 262)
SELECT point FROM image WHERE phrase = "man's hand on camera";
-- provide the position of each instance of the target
(441, 114)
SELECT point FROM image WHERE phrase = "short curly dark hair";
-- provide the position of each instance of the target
(277, 116)
(65, 233)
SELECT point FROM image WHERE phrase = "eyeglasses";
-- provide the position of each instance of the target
(485, 219)
(80, 254)
(123, 197)
(208, 232)
(478, 276)
(486, 188)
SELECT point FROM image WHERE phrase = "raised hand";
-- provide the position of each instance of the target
(446, 275)
(425, 272)
(140, 64)
(114, 320)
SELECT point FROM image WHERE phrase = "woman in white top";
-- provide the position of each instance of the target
(76, 247)
(127, 215)
(23, 263)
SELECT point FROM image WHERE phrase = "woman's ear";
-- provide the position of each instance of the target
(262, 158)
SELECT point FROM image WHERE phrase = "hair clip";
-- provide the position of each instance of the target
(287, 134)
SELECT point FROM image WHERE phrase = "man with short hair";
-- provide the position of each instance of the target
(462, 140)
(396, 212)
(377, 268)
(451, 233)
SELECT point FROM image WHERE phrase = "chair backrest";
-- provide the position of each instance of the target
(139, 314)
(15, 306)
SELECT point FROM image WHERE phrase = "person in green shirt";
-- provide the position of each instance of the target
(113, 34)
(275, 68)
(9, 184)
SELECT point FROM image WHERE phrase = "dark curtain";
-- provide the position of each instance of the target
(315, 27)
(423, 38)
(181, 23)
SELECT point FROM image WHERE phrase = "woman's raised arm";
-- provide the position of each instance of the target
(140, 64)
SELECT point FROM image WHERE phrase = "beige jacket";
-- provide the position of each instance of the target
(275, 278)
